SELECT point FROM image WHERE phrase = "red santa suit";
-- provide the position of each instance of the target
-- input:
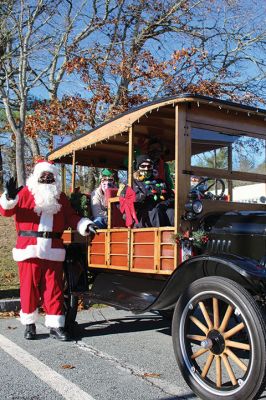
(40, 259)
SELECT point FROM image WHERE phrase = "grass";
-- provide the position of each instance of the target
(8, 267)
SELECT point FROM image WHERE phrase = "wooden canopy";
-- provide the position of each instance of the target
(107, 145)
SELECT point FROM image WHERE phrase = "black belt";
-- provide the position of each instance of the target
(45, 235)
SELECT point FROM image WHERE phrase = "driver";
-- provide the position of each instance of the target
(194, 182)
(202, 185)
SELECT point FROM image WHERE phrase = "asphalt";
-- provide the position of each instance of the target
(9, 300)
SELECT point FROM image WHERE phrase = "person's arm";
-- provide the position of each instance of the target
(98, 209)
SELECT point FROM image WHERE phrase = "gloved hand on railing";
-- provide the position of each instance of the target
(92, 229)
(12, 189)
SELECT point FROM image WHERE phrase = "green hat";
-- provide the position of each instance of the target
(106, 172)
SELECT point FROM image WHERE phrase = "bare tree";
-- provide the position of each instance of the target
(21, 22)
(153, 49)
(35, 41)
(123, 52)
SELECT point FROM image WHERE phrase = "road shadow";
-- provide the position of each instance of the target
(122, 325)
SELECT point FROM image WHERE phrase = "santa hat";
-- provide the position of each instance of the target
(44, 166)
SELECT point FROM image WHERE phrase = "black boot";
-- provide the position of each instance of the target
(30, 332)
(59, 334)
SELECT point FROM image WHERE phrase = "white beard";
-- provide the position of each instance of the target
(46, 196)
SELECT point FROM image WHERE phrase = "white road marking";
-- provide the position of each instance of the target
(56, 381)
(162, 384)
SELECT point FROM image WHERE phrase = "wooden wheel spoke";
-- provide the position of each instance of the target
(199, 324)
(216, 317)
(205, 314)
(229, 369)
(198, 353)
(237, 345)
(234, 330)
(218, 366)
(236, 359)
(198, 338)
(226, 318)
(207, 365)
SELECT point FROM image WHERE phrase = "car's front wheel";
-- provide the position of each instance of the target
(219, 339)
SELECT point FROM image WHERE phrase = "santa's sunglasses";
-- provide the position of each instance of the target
(145, 166)
(46, 177)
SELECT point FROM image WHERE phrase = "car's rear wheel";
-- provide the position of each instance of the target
(219, 339)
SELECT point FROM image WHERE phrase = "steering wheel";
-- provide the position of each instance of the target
(203, 188)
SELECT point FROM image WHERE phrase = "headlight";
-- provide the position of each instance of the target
(189, 216)
(197, 206)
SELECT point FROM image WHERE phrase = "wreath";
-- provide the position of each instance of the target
(197, 239)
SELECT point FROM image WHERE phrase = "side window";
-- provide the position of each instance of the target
(233, 153)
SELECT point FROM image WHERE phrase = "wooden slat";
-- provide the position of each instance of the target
(225, 174)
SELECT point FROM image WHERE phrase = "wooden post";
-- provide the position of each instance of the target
(63, 177)
(182, 161)
(73, 176)
(130, 156)
(230, 166)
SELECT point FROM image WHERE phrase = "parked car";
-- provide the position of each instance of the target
(209, 269)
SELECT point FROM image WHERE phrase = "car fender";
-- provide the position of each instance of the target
(245, 271)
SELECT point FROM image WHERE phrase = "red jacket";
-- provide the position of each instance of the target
(27, 219)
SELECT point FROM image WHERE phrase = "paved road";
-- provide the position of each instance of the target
(117, 356)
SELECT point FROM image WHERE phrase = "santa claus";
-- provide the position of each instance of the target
(42, 212)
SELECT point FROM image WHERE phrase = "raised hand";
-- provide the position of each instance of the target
(11, 188)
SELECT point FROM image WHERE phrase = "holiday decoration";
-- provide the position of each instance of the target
(197, 239)
(158, 190)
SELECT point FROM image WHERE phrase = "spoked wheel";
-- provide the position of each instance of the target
(219, 339)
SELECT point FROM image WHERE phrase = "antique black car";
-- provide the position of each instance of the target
(209, 269)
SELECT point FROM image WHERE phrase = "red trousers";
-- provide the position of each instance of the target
(41, 284)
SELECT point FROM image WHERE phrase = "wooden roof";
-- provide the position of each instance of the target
(106, 145)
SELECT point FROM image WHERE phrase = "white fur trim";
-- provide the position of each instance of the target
(46, 222)
(43, 249)
(44, 167)
(55, 321)
(82, 226)
(27, 319)
(8, 204)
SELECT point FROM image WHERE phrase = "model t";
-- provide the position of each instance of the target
(209, 269)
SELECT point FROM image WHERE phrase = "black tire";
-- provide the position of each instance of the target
(216, 362)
